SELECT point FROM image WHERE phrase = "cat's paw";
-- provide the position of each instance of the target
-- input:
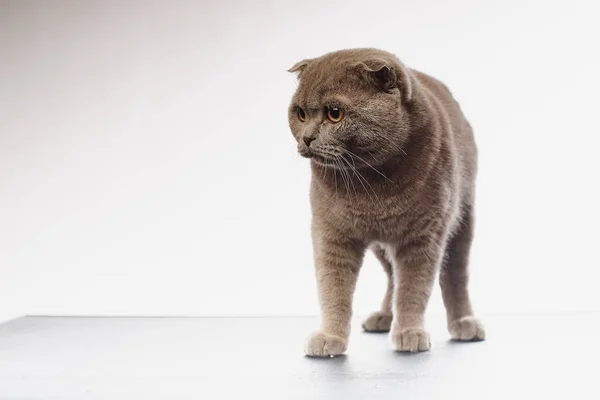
(377, 322)
(321, 344)
(410, 339)
(467, 329)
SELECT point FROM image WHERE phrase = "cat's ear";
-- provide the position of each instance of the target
(387, 76)
(299, 66)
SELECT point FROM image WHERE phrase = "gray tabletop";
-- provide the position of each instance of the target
(525, 356)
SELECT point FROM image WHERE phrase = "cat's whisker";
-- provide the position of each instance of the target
(343, 174)
(367, 182)
(355, 174)
(334, 166)
(360, 176)
(323, 171)
(335, 180)
(363, 160)
(350, 178)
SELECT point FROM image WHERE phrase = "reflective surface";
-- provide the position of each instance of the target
(525, 356)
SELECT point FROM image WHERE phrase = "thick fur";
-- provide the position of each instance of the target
(397, 175)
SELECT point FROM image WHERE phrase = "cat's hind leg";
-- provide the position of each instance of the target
(381, 321)
(454, 279)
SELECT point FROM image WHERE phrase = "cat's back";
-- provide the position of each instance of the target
(462, 134)
(440, 91)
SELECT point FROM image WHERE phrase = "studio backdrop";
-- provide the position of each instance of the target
(147, 168)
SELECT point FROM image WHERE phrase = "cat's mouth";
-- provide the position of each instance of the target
(326, 160)
(325, 156)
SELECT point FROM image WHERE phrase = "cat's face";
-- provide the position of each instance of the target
(347, 110)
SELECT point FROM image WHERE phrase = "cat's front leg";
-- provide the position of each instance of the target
(337, 263)
(415, 267)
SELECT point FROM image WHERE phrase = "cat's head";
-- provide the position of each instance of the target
(351, 106)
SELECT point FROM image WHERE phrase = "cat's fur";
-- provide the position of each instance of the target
(397, 175)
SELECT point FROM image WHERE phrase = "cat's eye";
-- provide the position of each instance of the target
(300, 113)
(335, 114)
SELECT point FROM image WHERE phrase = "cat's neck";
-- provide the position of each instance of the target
(413, 163)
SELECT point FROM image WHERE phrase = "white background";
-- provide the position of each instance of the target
(146, 166)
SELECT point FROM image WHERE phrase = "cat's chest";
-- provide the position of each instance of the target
(375, 219)
(386, 218)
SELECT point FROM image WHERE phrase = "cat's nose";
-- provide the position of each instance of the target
(308, 140)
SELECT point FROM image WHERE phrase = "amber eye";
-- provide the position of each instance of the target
(335, 114)
(301, 114)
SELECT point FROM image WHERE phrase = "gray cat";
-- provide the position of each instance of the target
(393, 164)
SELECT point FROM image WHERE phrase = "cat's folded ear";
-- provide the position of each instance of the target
(387, 76)
(299, 67)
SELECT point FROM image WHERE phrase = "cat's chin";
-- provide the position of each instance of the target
(325, 163)
(320, 160)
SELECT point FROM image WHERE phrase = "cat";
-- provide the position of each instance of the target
(393, 164)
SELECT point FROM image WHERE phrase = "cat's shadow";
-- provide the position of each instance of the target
(335, 360)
